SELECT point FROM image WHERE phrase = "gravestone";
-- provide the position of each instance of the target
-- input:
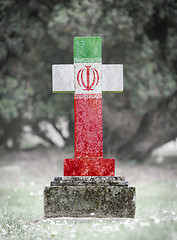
(89, 187)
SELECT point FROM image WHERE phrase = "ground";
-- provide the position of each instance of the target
(24, 174)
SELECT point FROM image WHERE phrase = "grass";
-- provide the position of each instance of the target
(21, 202)
(21, 216)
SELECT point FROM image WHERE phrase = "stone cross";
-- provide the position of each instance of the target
(91, 78)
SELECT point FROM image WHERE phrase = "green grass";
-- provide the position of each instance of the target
(21, 216)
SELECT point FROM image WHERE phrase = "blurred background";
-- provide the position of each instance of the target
(141, 35)
(37, 127)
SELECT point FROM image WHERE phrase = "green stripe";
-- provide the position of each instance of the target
(87, 49)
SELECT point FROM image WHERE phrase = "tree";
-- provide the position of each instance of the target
(141, 35)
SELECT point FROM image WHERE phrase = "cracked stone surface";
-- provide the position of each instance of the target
(84, 181)
(89, 197)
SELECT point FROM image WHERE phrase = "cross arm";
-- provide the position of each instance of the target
(62, 78)
(112, 78)
(63, 74)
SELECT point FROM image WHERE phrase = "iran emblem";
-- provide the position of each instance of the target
(88, 78)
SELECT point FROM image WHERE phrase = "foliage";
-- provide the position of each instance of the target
(35, 34)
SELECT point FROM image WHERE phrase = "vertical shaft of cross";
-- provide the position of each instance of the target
(88, 106)
(88, 159)
(88, 126)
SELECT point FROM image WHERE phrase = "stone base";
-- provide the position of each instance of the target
(89, 197)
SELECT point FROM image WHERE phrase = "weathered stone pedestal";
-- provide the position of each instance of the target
(89, 197)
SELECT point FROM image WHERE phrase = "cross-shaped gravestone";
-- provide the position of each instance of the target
(91, 78)
(91, 190)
